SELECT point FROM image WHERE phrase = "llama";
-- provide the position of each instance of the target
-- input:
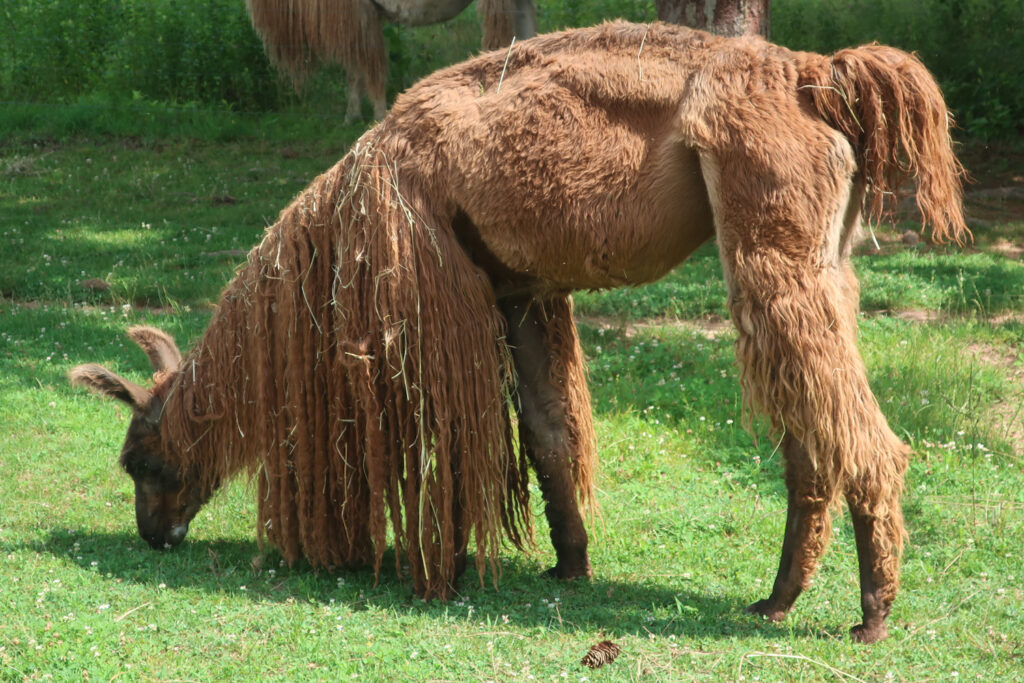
(364, 363)
(297, 34)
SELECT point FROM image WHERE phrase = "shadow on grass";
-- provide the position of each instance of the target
(979, 283)
(524, 596)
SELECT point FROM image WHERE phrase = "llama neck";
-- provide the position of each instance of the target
(240, 392)
(202, 417)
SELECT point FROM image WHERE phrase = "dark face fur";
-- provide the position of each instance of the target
(166, 498)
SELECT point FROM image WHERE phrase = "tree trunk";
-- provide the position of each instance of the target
(724, 17)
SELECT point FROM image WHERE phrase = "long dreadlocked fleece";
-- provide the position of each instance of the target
(360, 355)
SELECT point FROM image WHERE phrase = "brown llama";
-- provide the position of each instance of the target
(362, 363)
(298, 34)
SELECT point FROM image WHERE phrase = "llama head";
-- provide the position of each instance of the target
(166, 497)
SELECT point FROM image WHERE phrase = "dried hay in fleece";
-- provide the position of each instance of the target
(356, 366)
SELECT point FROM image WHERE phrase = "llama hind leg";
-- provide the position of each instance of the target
(797, 328)
(807, 531)
(878, 529)
(802, 369)
(554, 419)
(784, 237)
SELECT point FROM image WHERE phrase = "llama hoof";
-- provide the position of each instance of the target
(862, 633)
(568, 574)
(767, 609)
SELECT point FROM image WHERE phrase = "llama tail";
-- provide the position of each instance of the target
(889, 106)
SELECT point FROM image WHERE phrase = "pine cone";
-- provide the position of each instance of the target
(603, 653)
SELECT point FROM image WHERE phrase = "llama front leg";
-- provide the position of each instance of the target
(357, 83)
(375, 91)
(354, 96)
(808, 525)
(555, 428)
(525, 19)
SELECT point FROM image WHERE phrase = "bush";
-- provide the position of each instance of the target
(972, 46)
(205, 51)
(553, 16)
(166, 50)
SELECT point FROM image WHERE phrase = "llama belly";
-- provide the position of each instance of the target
(633, 228)
(615, 255)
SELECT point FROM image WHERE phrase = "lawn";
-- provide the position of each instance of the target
(98, 232)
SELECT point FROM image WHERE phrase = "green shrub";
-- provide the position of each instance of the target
(191, 51)
(972, 46)
(164, 50)
(206, 52)
(552, 16)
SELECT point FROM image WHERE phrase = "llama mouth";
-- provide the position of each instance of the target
(177, 534)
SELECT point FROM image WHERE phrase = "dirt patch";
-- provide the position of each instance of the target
(999, 356)
(916, 315)
(95, 284)
(1005, 247)
(21, 166)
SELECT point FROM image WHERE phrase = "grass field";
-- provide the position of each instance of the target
(101, 232)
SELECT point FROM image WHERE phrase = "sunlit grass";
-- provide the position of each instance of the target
(691, 506)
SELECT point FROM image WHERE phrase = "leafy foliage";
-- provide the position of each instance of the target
(204, 51)
(972, 46)
(61, 50)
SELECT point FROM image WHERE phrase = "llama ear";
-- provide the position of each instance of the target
(103, 381)
(159, 346)
(154, 411)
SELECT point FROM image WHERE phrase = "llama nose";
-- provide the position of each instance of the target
(176, 535)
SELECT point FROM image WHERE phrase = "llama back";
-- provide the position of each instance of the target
(892, 111)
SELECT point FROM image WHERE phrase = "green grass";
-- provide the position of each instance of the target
(157, 222)
(692, 506)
